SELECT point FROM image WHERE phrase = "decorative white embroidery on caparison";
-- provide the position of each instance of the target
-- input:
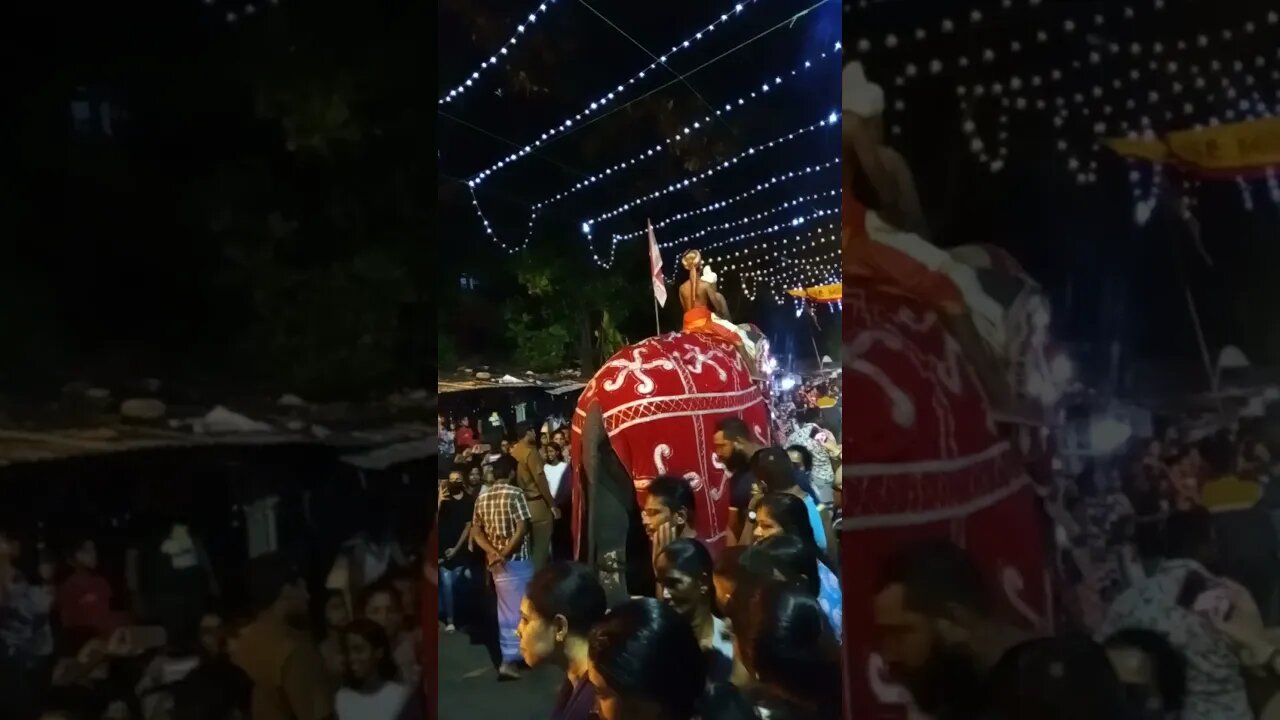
(635, 366)
(695, 359)
(888, 692)
(661, 453)
(1012, 583)
(903, 410)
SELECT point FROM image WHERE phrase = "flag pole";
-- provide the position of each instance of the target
(657, 321)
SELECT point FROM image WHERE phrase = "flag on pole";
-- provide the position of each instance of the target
(655, 269)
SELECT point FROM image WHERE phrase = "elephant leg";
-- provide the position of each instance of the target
(610, 509)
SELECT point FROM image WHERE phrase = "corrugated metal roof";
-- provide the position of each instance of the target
(25, 446)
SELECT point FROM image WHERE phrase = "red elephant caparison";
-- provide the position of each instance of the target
(652, 410)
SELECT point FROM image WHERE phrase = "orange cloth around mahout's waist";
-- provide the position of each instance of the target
(695, 318)
(702, 320)
(868, 262)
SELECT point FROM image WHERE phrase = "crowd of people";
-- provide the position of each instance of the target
(149, 632)
(744, 629)
(1167, 560)
(1174, 541)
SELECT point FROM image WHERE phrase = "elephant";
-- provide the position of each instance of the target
(926, 456)
(651, 410)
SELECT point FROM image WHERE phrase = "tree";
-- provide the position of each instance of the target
(568, 305)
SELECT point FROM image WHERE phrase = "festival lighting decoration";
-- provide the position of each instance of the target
(596, 106)
(793, 222)
(744, 257)
(784, 265)
(706, 122)
(729, 262)
(779, 268)
(722, 204)
(691, 237)
(1102, 87)
(780, 279)
(525, 24)
(828, 121)
(237, 9)
(782, 272)
(799, 211)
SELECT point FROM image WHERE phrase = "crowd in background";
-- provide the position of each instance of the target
(743, 629)
(153, 634)
(1167, 560)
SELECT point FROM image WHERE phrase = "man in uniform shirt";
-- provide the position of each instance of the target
(532, 480)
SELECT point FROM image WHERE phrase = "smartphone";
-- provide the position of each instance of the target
(1201, 595)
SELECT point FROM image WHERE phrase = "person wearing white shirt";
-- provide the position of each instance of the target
(371, 691)
(559, 480)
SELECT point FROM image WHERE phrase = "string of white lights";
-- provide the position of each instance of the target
(484, 221)
(794, 222)
(977, 21)
(599, 104)
(706, 121)
(1273, 185)
(1070, 26)
(1144, 207)
(788, 280)
(457, 92)
(831, 120)
(787, 270)
(720, 262)
(784, 251)
(1098, 109)
(781, 250)
(686, 239)
(747, 265)
(720, 205)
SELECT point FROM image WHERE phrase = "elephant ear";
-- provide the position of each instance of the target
(610, 498)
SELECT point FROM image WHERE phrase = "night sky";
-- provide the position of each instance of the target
(569, 56)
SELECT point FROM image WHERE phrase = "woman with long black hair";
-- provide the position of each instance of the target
(684, 571)
(788, 647)
(785, 514)
(775, 474)
(646, 664)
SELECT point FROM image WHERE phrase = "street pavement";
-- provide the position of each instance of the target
(469, 687)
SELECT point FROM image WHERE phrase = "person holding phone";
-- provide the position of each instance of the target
(1182, 601)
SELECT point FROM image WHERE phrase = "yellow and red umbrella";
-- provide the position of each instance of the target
(820, 294)
(1225, 151)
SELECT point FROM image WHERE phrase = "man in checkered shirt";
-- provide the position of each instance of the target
(500, 527)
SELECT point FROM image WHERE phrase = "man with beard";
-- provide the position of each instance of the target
(277, 652)
(734, 447)
(938, 633)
